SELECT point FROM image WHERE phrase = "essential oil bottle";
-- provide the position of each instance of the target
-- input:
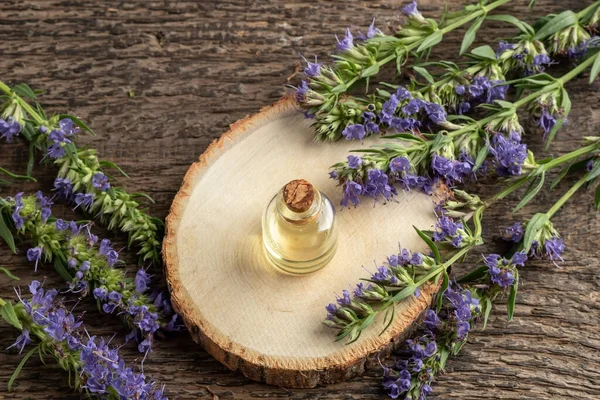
(298, 228)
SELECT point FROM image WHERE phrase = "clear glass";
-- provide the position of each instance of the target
(300, 243)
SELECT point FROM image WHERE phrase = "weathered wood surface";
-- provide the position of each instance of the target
(194, 68)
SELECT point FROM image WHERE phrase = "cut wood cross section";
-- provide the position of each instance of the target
(249, 315)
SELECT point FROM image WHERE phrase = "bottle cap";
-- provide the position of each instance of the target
(298, 195)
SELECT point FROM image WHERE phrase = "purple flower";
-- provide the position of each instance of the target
(402, 93)
(351, 192)
(372, 31)
(541, 59)
(301, 91)
(347, 41)
(501, 277)
(331, 310)
(312, 69)
(388, 109)
(492, 260)
(399, 164)
(333, 174)
(22, 341)
(61, 225)
(519, 259)
(34, 254)
(441, 166)
(56, 151)
(411, 9)
(356, 131)
(554, 248)
(44, 204)
(9, 128)
(502, 47)
(100, 294)
(509, 154)
(546, 122)
(476, 90)
(513, 233)
(432, 321)
(377, 185)
(345, 299)
(85, 200)
(463, 107)
(462, 329)
(141, 281)
(383, 275)
(100, 181)
(435, 112)
(412, 107)
(354, 162)
(460, 90)
(63, 188)
(359, 290)
(17, 219)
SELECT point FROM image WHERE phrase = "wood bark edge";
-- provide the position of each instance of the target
(272, 370)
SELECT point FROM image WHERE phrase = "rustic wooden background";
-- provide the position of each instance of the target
(159, 80)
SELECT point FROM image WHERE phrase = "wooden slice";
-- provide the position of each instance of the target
(249, 315)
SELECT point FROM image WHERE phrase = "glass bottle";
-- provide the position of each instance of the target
(298, 228)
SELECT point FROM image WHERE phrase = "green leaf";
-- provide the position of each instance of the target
(533, 227)
(371, 71)
(15, 374)
(531, 192)
(404, 293)
(473, 275)
(512, 297)
(387, 325)
(485, 52)
(432, 246)
(77, 122)
(28, 131)
(9, 274)
(595, 68)
(558, 23)
(565, 101)
(23, 90)
(597, 198)
(111, 164)
(6, 234)
(60, 266)
(431, 41)
(144, 195)
(481, 155)
(488, 309)
(444, 353)
(7, 312)
(559, 123)
(560, 176)
(31, 158)
(424, 73)
(469, 37)
(523, 26)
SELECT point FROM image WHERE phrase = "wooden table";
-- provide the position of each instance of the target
(159, 80)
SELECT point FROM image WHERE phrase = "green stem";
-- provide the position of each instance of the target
(24, 105)
(449, 28)
(15, 176)
(569, 156)
(565, 197)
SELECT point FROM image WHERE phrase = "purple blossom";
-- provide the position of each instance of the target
(397, 386)
(63, 188)
(383, 275)
(501, 277)
(411, 9)
(377, 185)
(435, 112)
(17, 219)
(61, 225)
(509, 154)
(399, 164)
(351, 192)
(345, 300)
(513, 233)
(402, 93)
(312, 69)
(460, 90)
(546, 122)
(541, 59)
(354, 162)
(85, 200)
(34, 254)
(412, 107)
(432, 321)
(100, 294)
(502, 47)
(44, 204)
(519, 259)
(347, 41)
(100, 181)
(9, 128)
(554, 248)
(331, 310)
(388, 109)
(56, 151)
(141, 281)
(372, 31)
(301, 91)
(356, 131)
(333, 174)
(22, 341)
(60, 324)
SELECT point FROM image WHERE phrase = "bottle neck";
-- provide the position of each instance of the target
(299, 217)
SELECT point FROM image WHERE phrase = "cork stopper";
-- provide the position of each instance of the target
(298, 195)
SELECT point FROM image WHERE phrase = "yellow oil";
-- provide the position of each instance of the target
(300, 243)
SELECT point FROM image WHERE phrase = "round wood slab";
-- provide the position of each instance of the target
(249, 315)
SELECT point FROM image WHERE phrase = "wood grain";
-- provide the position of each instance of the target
(196, 67)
